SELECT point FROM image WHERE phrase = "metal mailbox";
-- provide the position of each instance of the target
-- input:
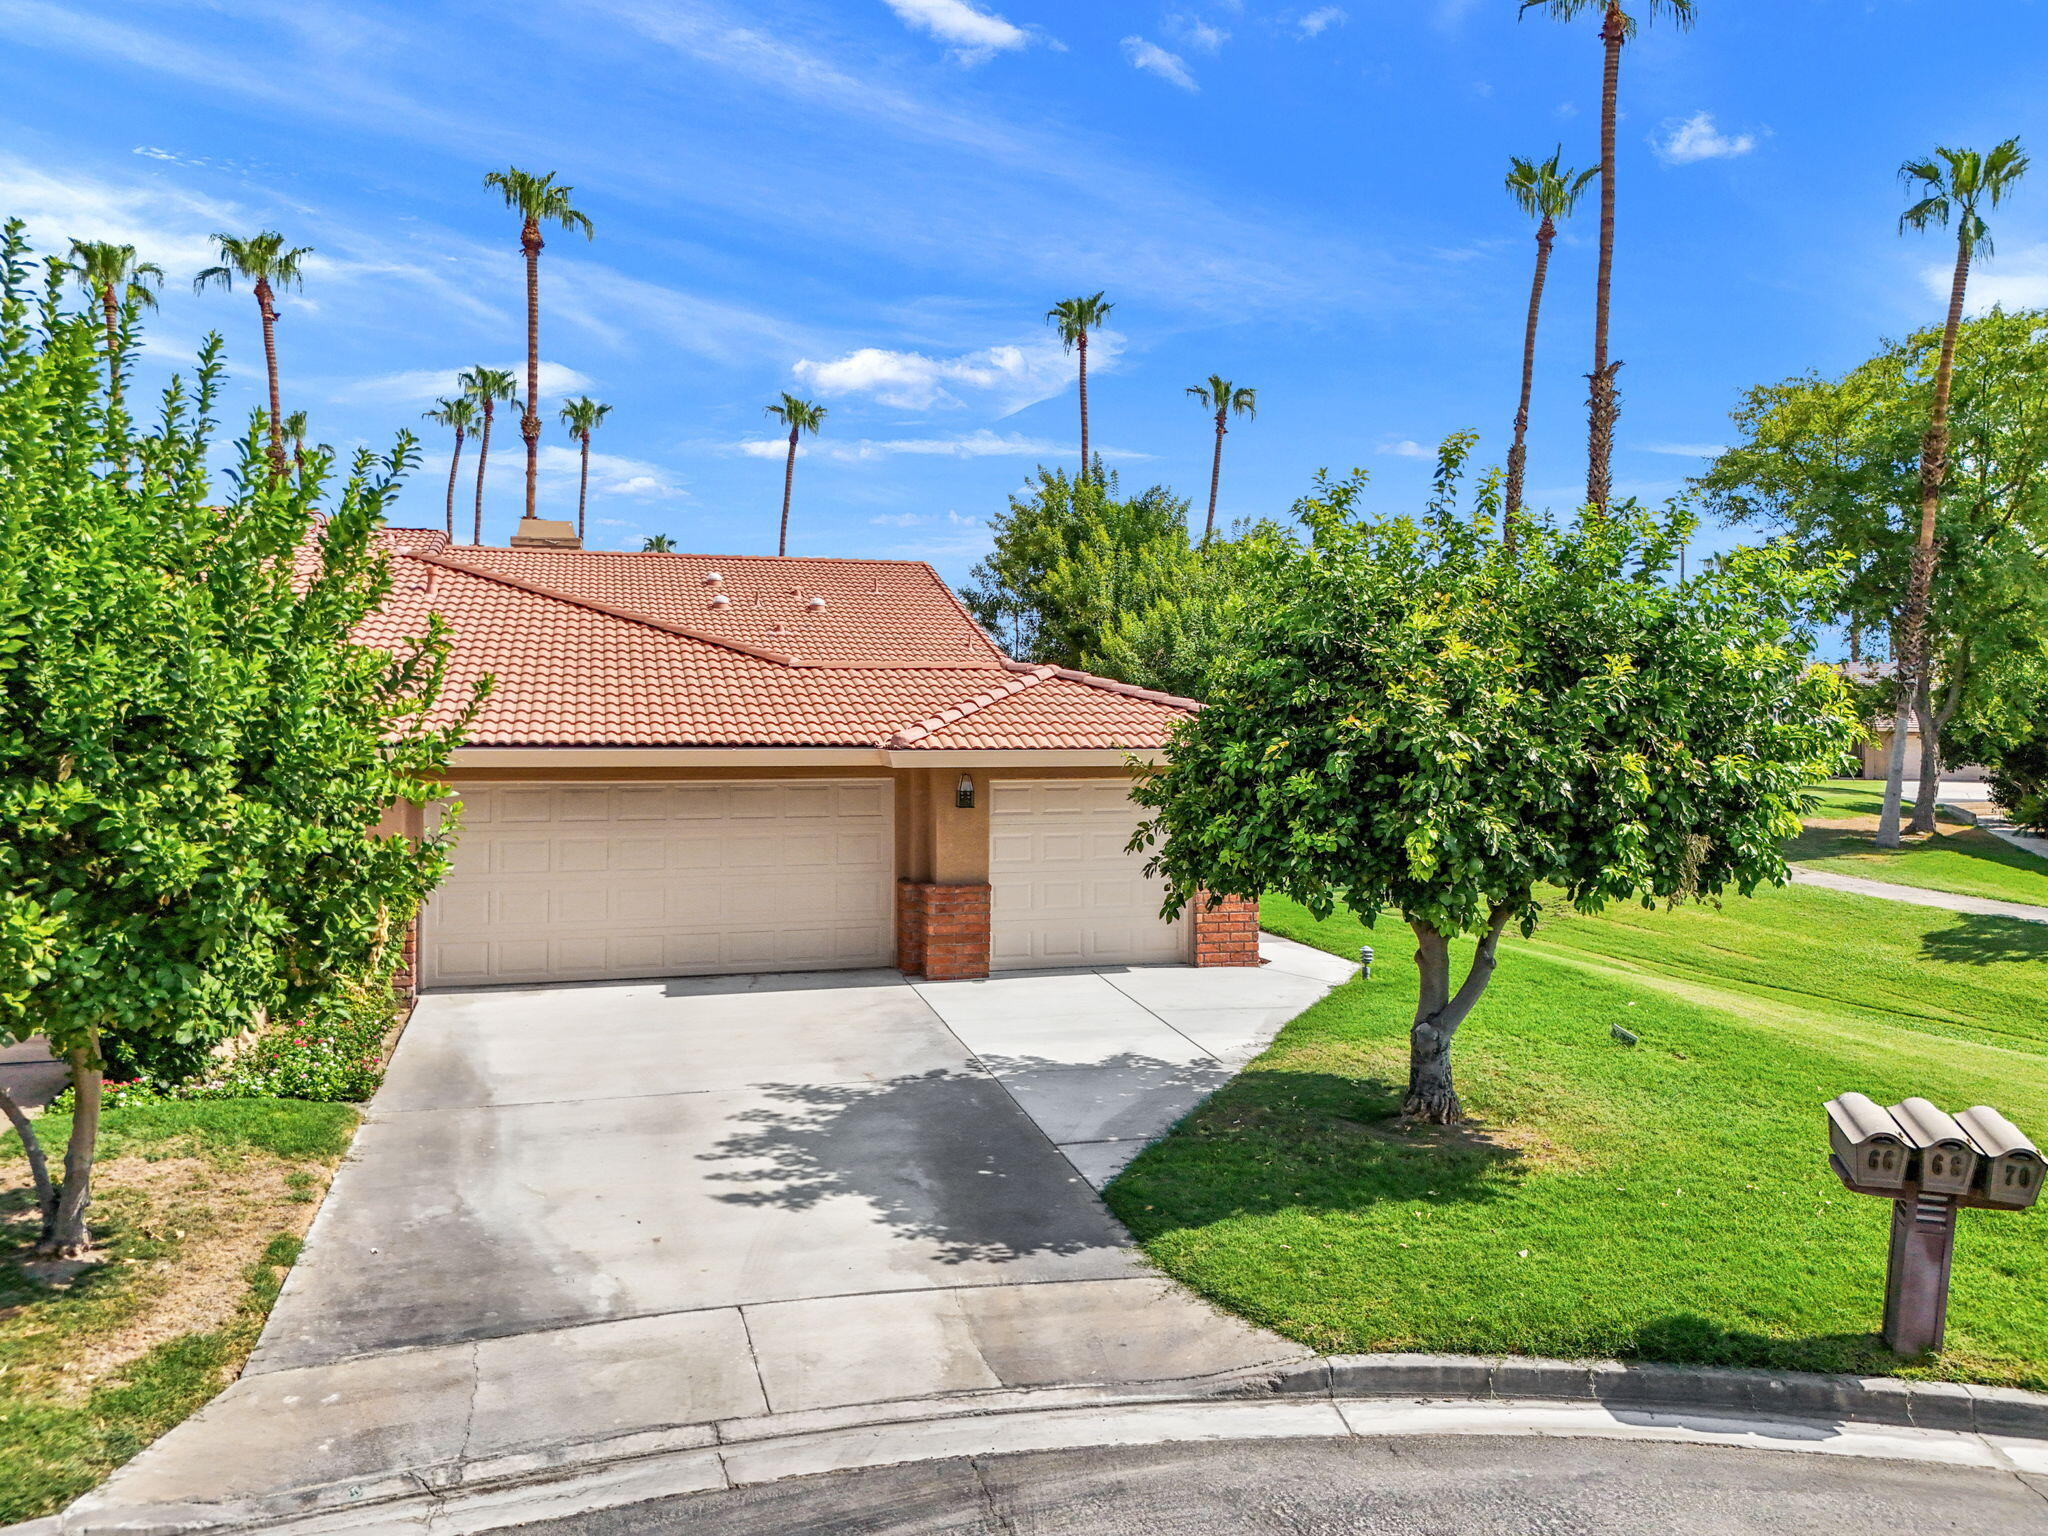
(1947, 1160)
(1869, 1141)
(2012, 1165)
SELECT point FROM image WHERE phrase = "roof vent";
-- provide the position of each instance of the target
(713, 578)
(720, 600)
(815, 604)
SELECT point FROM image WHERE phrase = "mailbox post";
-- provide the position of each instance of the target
(1928, 1164)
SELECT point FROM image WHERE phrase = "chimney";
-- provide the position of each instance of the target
(545, 533)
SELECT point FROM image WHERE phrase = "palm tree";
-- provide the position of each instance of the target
(1616, 28)
(110, 274)
(460, 414)
(535, 198)
(1955, 185)
(583, 417)
(295, 429)
(486, 386)
(1547, 192)
(657, 544)
(1074, 319)
(798, 416)
(1224, 398)
(264, 262)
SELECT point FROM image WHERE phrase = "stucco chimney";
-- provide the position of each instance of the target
(545, 533)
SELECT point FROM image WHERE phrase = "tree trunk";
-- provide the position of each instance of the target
(1432, 1097)
(268, 311)
(582, 485)
(529, 422)
(454, 468)
(1518, 453)
(69, 1237)
(38, 1165)
(483, 454)
(1912, 649)
(788, 480)
(1215, 478)
(1600, 434)
(112, 306)
(1083, 344)
(1930, 763)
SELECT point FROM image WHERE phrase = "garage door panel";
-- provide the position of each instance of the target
(1064, 888)
(587, 882)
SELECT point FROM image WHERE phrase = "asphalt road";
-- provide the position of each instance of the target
(1396, 1486)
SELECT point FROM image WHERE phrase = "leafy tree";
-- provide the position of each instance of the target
(1074, 319)
(117, 282)
(1834, 465)
(486, 387)
(583, 416)
(799, 416)
(267, 264)
(1547, 191)
(537, 200)
(1616, 28)
(1956, 184)
(1225, 399)
(459, 414)
(1181, 626)
(1055, 516)
(195, 753)
(1420, 719)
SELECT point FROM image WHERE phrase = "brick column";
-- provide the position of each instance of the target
(1226, 934)
(942, 931)
(405, 981)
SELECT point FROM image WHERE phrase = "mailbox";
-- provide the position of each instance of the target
(1947, 1160)
(2012, 1164)
(1869, 1142)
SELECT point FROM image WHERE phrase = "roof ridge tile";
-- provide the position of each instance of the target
(911, 734)
(1108, 684)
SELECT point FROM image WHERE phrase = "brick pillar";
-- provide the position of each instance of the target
(1228, 933)
(942, 930)
(405, 981)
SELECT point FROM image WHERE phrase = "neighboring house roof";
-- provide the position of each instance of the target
(599, 649)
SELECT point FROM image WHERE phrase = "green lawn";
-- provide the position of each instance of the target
(198, 1211)
(1667, 1201)
(1955, 857)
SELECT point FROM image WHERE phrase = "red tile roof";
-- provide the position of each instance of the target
(598, 649)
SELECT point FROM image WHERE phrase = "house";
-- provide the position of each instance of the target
(692, 765)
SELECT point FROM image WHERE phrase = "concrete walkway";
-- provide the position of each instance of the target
(1919, 895)
(591, 1213)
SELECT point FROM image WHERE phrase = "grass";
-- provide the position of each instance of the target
(1669, 1200)
(1956, 858)
(197, 1211)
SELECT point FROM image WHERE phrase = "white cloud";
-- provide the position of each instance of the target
(899, 520)
(976, 36)
(1686, 450)
(2017, 280)
(1197, 33)
(165, 224)
(1408, 448)
(1012, 376)
(1155, 60)
(1320, 20)
(611, 474)
(768, 448)
(978, 444)
(418, 386)
(1696, 138)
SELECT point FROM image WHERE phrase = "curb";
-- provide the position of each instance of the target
(559, 1477)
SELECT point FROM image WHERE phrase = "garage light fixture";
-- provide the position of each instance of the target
(963, 792)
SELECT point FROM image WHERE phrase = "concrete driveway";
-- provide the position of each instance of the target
(584, 1212)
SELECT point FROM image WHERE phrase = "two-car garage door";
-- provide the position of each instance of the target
(582, 882)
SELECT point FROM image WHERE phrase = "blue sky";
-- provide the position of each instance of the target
(874, 202)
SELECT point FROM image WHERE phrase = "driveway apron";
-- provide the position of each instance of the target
(575, 1213)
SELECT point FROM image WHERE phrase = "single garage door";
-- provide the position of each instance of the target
(582, 882)
(1064, 891)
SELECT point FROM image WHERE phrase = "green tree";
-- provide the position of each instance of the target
(1225, 399)
(1604, 406)
(459, 414)
(1419, 719)
(295, 433)
(1180, 625)
(112, 277)
(486, 387)
(1074, 319)
(266, 264)
(1833, 463)
(583, 416)
(1061, 621)
(195, 750)
(799, 416)
(537, 200)
(1547, 191)
(1956, 184)
(658, 544)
